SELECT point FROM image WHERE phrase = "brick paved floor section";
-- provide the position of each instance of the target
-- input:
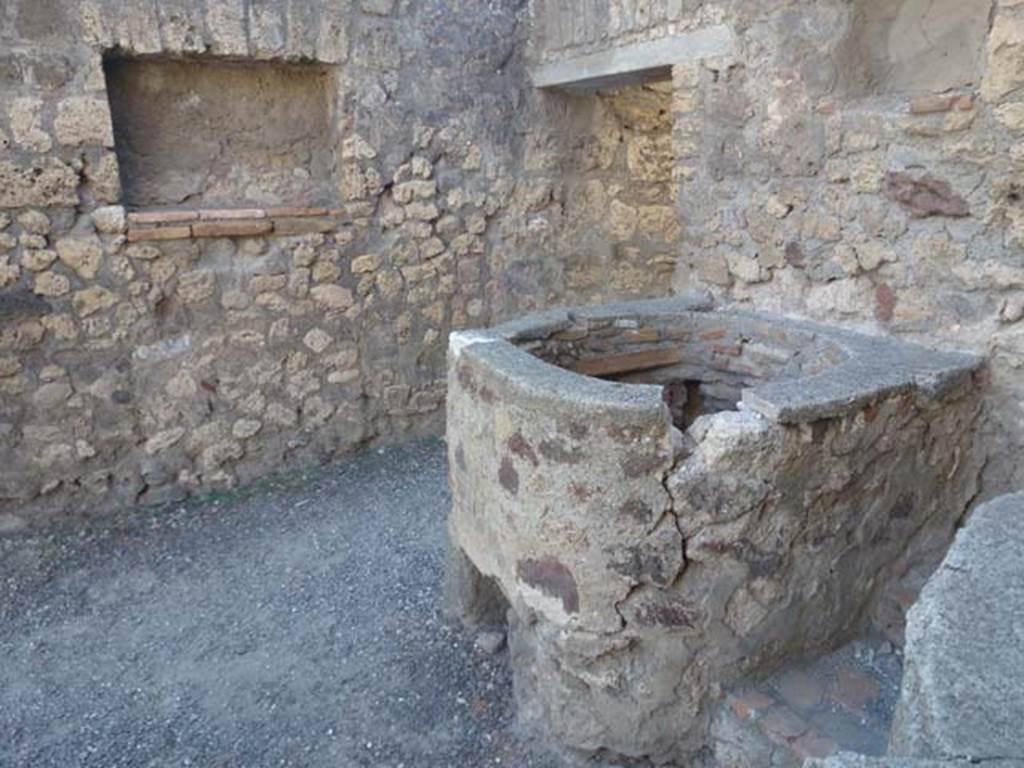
(841, 702)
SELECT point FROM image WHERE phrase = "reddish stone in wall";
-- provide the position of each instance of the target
(925, 196)
(885, 303)
(552, 578)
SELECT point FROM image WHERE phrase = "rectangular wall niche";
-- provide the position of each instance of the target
(223, 134)
(908, 46)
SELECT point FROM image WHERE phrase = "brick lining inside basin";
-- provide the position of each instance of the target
(732, 492)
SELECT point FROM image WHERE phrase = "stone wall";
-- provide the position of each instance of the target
(886, 206)
(851, 161)
(135, 368)
(805, 179)
(224, 133)
(563, 28)
(619, 235)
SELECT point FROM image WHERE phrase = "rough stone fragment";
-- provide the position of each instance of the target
(332, 297)
(1013, 309)
(109, 219)
(51, 284)
(317, 340)
(490, 642)
(46, 182)
(197, 286)
(365, 263)
(93, 300)
(142, 252)
(246, 428)
(872, 255)
(36, 222)
(9, 366)
(24, 115)
(37, 261)
(82, 254)
(1004, 71)
(83, 120)
(104, 179)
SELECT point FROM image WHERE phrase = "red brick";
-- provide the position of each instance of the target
(932, 103)
(295, 211)
(248, 228)
(232, 214)
(136, 234)
(714, 334)
(161, 217)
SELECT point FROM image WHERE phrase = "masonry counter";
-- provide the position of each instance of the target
(669, 498)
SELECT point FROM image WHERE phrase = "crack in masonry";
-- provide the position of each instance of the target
(669, 510)
(247, 24)
(617, 606)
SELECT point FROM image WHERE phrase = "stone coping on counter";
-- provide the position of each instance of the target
(183, 224)
(869, 368)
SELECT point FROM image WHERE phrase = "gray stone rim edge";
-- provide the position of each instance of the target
(873, 367)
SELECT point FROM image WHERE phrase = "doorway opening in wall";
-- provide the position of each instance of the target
(622, 228)
(201, 133)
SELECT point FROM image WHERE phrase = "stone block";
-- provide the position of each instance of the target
(83, 120)
(45, 182)
(963, 685)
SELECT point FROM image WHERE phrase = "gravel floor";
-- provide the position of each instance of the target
(295, 623)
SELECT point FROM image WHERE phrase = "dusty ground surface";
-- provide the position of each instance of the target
(296, 623)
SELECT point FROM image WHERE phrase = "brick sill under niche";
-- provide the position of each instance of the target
(164, 224)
